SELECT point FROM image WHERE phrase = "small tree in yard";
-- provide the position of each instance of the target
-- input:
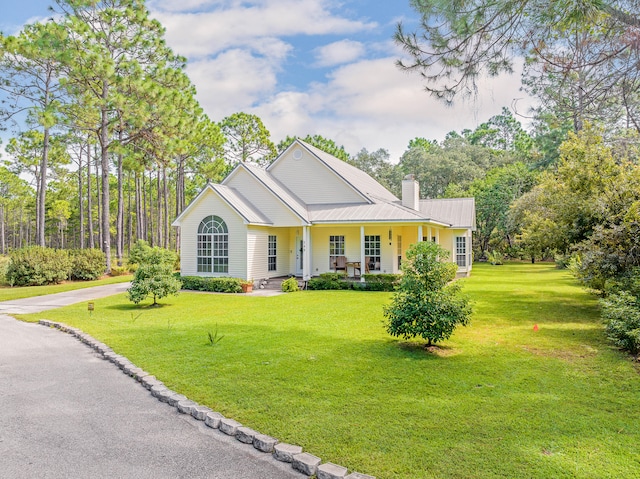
(154, 276)
(427, 303)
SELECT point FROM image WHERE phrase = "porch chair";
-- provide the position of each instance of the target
(340, 263)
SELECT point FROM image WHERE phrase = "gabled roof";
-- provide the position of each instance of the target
(357, 179)
(235, 200)
(458, 212)
(279, 190)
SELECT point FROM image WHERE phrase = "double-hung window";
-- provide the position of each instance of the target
(461, 251)
(372, 251)
(271, 253)
(336, 248)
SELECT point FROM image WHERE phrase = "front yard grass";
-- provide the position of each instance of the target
(498, 400)
(8, 293)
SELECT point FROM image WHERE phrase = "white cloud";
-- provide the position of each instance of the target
(237, 49)
(234, 81)
(371, 104)
(337, 53)
(207, 33)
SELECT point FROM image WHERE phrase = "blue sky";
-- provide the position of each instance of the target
(308, 67)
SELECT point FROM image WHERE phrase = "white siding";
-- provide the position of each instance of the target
(312, 182)
(258, 249)
(210, 204)
(262, 199)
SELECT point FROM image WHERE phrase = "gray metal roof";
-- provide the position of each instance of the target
(239, 203)
(382, 212)
(458, 212)
(357, 178)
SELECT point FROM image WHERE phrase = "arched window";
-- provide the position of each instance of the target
(213, 246)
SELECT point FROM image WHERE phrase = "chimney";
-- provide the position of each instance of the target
(410, 192)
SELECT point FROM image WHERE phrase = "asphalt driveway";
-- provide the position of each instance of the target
(67, 413)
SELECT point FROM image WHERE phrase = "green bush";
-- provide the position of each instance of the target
(327, 281)
(139, 252)
(427, 304)
(290, 285)
(4, 264)
(36, 265)
(495, 257)
(214, 285)
(621, 314)
(380, 282)
(87, 264)
(119, 270)
(154, 277)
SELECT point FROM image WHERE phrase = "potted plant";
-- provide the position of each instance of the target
(246, 285)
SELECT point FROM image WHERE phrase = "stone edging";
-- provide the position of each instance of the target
(303, 462)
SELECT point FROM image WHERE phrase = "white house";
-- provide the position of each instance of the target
(309, 213)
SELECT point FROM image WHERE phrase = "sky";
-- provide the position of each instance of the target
(322, 67)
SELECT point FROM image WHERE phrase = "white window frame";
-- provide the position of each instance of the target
(272, 248)
(461, 251)
(373, 250)
(213, 246)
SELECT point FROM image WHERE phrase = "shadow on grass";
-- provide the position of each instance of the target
(138, 307)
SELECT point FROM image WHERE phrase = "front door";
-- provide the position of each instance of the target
(299, 256)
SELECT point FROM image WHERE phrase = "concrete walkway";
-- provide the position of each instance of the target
(37, 304)
(66, 412)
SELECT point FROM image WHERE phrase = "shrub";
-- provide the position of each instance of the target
(154, 277)
(139, 252)
(495, 257)
(621, 314)
(290, 285)
(328, 281)
(87, 264)
(4, 264)
(119, 270)
(427, 303)
(36, 265)
(214, 285)
(380, 282)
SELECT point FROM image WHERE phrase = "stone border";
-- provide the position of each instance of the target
(303, 462)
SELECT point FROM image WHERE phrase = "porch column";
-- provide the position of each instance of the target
(420, 236)
(453, 250)
(438, 235)
(429, 233)
(363, 266)
(306, 253)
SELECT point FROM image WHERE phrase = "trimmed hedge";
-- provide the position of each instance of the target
(382, 282)
(87, 264)
(215, 285)
(337, 281)
(37, 265)
(329, 281)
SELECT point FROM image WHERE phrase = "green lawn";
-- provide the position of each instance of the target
(8, 293)
(317, 369)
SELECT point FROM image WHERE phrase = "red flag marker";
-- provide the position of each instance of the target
(535, 327)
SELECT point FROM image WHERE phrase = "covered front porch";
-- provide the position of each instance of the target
(371, 248)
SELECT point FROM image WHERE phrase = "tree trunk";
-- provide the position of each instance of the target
(105, 240)
(179, 195)
(139, 208)
(159, 208)
(98, 204)
(80, 205)
(165, 193)
(3, 239)
(42, 190)
(89, 205)
(129, 213)
(120, 214)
